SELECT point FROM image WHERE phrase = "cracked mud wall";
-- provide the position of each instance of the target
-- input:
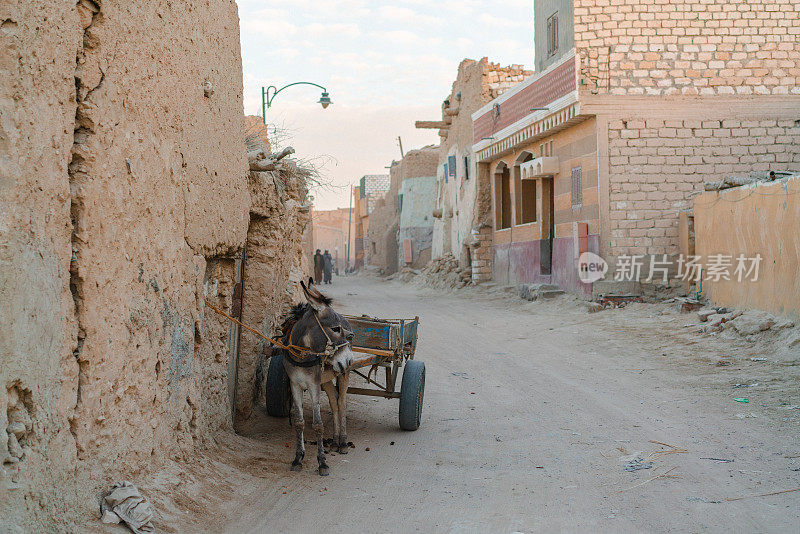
(124, 196)
(276, 259)
(38, 375)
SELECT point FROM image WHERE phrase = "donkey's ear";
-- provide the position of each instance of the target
(310, 281)
(317, 300)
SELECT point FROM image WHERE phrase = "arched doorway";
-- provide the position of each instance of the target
(524, 192)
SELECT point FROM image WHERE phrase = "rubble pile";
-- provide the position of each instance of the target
(742, 323)
(444, 273)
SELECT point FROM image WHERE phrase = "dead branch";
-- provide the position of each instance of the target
(762, 494)
(662, 475)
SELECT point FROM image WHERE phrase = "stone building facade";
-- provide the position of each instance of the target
(459, 214)
(620, 130)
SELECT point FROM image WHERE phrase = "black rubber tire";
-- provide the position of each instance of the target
(412, 390)
(277, 395)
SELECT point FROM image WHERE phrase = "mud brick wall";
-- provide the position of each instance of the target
(655, 166)
(124, 191)
(666, 47)
(275, 262)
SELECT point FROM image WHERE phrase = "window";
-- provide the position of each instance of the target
(528, 190)
(400, 202)
(445, 173)
(503, 197)
(552, 34)
(466, 167)
(373, 247)
(451, 165)
(577, 187)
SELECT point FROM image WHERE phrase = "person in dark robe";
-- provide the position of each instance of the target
(327, 266)
(319, 262)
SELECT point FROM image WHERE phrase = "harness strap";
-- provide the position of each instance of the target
(295, 352)
(289, 347)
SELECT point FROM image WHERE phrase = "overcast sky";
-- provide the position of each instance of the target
(384, 64)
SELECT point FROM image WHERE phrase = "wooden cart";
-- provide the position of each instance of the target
(379, 343)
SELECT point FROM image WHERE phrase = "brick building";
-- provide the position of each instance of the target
(633, 106)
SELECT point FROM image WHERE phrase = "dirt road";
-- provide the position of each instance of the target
(532, 411)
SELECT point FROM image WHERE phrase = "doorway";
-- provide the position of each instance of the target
(548, 227)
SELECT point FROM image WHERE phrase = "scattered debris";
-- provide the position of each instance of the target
(758, 359)
(391, 443)
(705, 313)
(367, 449)
(741, 399)
(686, 305)
(636, 464)
(762, 494)
(665, 474)
(125, 504)
(718, 460)
(594, 307)
(753, 177)
(702, 499)
(754, 384)
(617, 301)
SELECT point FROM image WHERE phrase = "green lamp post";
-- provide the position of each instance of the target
(268, 95)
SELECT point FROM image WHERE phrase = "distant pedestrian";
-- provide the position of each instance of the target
(319, 262)
(327, 266)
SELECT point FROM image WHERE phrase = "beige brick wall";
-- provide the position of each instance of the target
(656, 166)
(705, 47)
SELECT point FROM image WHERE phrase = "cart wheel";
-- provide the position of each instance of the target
(277, 396)
(411, 392)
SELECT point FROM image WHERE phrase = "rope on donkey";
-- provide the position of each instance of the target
(295, 350)
(291, 348)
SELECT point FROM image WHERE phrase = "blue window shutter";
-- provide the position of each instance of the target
(445, 173)
(451, 165)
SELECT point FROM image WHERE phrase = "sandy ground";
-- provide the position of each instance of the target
(531, 411)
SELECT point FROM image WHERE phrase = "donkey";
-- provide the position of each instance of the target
(327, 335)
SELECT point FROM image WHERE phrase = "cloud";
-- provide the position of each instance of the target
(384, 64)
(317, 29)
(397, 14)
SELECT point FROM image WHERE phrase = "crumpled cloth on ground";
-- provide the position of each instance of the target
(125, 503)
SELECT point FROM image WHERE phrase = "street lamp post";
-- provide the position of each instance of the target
(269, 94)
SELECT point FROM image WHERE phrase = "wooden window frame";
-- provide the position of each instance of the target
(552, 35)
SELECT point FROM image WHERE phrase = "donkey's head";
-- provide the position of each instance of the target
(320, 324)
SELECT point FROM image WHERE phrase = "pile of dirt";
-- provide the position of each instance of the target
(752, 325)
(445, 273)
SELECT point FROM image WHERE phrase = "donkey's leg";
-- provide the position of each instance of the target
(299, 423)
(316, 423)
(333, 398)
(342, 382)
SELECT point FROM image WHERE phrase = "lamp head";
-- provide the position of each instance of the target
(325, 100)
